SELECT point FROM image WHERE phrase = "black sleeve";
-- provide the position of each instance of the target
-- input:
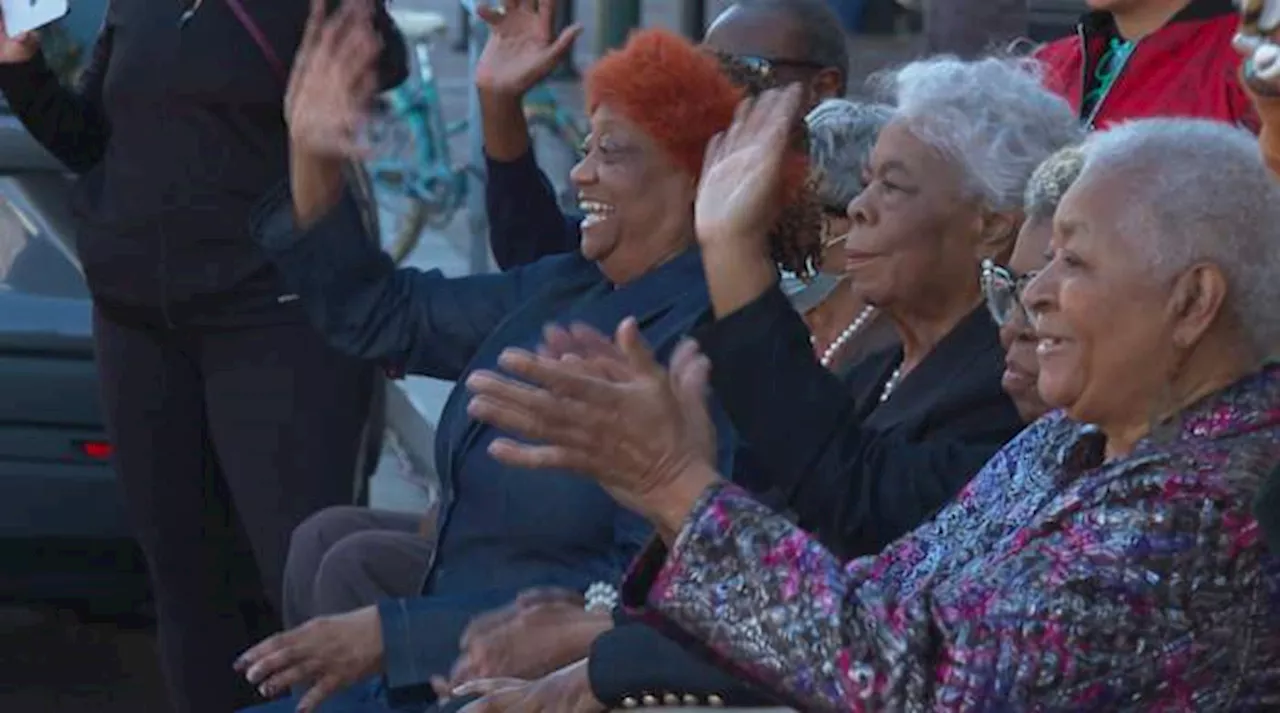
(525, 222)
(70, 123)
(855, 488)
(634, 660)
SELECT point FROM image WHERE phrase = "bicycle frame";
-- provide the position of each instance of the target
(427, 174)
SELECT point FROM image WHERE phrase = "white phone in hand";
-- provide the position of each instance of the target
(21, 16)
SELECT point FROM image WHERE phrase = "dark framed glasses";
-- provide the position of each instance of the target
(1002, 289)
(760, 73)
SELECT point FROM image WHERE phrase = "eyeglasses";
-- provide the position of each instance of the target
(1003, 291)
(754, 70)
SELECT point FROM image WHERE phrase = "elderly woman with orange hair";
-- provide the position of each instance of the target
(653, 107)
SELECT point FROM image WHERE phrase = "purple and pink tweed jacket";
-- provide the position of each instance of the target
(1056, 581)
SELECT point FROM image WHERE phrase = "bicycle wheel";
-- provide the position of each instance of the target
(408, 227)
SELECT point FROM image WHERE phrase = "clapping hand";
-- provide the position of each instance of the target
(607, 410)
(522, 49)
(334, 80)
(740, 194)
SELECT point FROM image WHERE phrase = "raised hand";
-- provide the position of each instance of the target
(615, 416)
(16, 50)
(334, 80)
(522, 49)
(740, 193)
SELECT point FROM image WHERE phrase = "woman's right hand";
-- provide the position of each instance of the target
(16, 50)
(521, 50)
(610, 412)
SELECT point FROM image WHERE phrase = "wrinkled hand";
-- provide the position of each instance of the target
(334, 80)
(532, 637)
(16, 50)
(614, 415)
(740, 192)
(521, 50)
(326, 655)
(565, 691)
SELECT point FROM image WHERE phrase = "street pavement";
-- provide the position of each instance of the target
(52, 663)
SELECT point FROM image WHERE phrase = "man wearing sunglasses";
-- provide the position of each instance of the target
(764, 43)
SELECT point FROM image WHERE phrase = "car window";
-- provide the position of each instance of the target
(31, 261)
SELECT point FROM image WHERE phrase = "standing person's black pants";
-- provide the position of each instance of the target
(222, 433)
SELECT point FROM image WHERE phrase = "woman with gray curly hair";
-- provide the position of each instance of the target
(841, 133)
(1002, 285)
(867, 456)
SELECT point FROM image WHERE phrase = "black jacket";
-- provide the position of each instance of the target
(177, 132)
(857, 473)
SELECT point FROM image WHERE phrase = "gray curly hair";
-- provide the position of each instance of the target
(1049, 183)
(1198, 190)
(992, 116)
(841, 134)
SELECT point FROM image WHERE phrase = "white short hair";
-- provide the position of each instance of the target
(992, 116)
(841, 135)
(1198, 190)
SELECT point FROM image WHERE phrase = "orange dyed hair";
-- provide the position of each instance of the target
(674, 92)
(681, 96)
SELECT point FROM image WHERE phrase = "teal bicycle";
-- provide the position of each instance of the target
(417, 183)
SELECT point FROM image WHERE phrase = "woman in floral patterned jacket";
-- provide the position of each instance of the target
(1108, 566)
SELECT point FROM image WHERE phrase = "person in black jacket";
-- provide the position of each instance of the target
(231, 418)
(863, 459)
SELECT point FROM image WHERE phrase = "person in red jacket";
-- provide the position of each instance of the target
(1133, 59)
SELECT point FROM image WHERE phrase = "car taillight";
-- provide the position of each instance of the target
(97, 450)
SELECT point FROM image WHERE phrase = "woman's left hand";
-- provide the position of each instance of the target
(740, 191)
(334, 80)
(565, 691)
(611, 413)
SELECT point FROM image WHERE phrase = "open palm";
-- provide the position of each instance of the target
(739, 194)
(522, 48)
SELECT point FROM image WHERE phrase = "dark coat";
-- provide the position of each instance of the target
(500, 530)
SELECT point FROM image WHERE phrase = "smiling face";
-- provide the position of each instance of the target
(1104, 341)
(914, 230)
(1022, 369)
(638, 205)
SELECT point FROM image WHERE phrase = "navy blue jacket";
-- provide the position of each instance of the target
(500, 530)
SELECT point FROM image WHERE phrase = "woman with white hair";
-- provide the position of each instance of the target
(1106, 559)
(841, 133)
(865, 457)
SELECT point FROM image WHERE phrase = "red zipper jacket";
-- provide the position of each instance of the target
(1186, 68)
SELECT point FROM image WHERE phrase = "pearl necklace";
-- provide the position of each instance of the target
(891, 384)
(854, 327)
